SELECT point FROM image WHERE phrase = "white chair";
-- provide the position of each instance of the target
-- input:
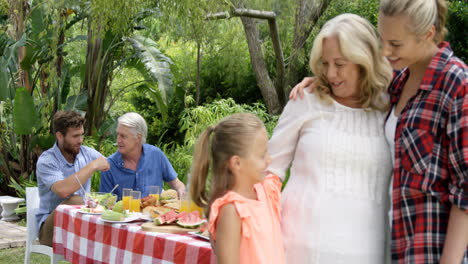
(32, 242)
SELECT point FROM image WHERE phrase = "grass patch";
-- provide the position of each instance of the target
(16, 255)
(21, 222)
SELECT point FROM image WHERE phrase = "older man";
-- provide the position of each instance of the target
(63, 168)
(137, 165)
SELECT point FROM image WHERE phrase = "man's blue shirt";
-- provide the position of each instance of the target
(53, 167)
(153, 168)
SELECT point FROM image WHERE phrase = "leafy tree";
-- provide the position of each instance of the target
(456, 25)
(196, 119)
(306, 16)
(275, 93)
(37, 79)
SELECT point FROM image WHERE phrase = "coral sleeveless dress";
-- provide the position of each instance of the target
(261, 238)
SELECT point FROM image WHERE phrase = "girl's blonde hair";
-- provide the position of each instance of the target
(360, 45)
(423, 14)
(216, 145)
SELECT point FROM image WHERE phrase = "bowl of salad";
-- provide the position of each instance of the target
(106, 200)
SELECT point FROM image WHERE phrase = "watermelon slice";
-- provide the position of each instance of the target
(167, 218)
(181, 215)
(191, 220)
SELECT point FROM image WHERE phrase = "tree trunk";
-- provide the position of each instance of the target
(280, 65)
(19, 10)
(93, 75)
(259, 66)
(198, 71)
(254, 45)
(307, 14)
(59, 60)
(98, 75)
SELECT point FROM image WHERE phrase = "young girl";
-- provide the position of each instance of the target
(243, 205)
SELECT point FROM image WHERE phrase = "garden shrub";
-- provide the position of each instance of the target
(195, 120)
(457, 23)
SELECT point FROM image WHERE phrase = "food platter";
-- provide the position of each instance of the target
(166, 228)
(91, 211)
(132, 217)
(84, 211)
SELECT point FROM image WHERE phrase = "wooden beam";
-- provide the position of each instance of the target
(275, 38)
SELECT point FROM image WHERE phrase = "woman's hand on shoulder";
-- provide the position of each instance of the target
(309, 83)
(228, 235)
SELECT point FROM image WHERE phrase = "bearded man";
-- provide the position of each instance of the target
(61, 167)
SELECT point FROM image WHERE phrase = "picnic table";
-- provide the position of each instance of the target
(85, 238)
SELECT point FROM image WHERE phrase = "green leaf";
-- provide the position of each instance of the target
(21, 209)
(10, 51)
(24, 112)
(5, 89)
(78, 102)
(156, 94)
(156, 64)
(108, 128)
(65, 85)
(8, 63)
(43, 141)
(108, 41)
(38, 24)
(30, 58)
(82, 71)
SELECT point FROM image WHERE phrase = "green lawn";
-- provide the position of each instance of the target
(16, 255)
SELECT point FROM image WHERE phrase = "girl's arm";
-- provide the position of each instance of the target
(228, 235)
(457, 237)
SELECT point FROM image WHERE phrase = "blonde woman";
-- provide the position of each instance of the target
(335, 202)
(428, 133)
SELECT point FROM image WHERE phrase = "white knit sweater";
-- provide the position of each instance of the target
(335, 202)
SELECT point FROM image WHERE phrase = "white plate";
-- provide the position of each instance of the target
(199, 235)
(86, 212)
(130, 218)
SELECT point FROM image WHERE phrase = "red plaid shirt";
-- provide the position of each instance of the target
(431, 159)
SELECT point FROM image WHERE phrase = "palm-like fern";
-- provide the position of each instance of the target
(156, 64)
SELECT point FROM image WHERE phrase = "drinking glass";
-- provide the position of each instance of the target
(195, 207)
(126, 197)
(185, 203)
(135, 202)
(154, 190)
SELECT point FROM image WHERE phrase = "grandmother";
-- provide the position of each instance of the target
(137, 165)
(334, 204)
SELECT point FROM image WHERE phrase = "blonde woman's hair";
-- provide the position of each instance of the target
(136, 123)
(216, 145)
(360, 45)
(423, 14)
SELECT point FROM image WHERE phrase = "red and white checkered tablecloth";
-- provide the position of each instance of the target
(85, 238)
